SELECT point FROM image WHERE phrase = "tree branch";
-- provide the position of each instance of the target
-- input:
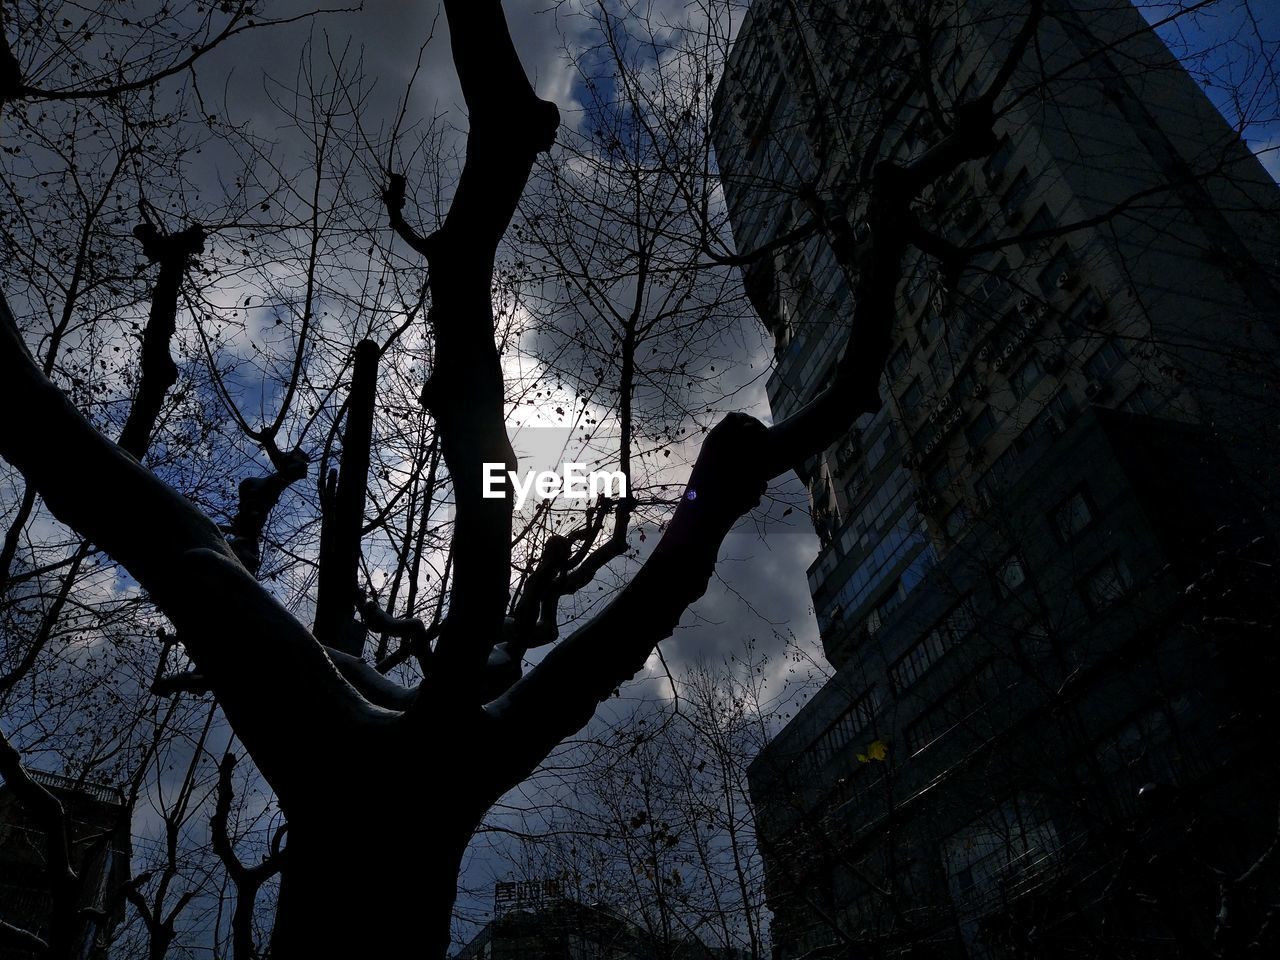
(22, 939)
(248, 646)
(175, 253)
(508, 127)
(247, 880)
(13, 87)
(336, 587)
(559, 695)
(258, 497)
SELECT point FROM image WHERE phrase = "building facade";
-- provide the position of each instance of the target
(99, 849)
(534, 920)
(1043, 582)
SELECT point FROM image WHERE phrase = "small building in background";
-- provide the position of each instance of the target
(535, 920)
(98, 829)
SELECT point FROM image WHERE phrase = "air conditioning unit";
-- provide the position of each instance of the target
(980, 391)
(1041, 311)
(1024, 304)
(1097, 389)
(1066, 280)
(1056, 427)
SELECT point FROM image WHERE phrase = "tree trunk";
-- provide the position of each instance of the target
(370, 885)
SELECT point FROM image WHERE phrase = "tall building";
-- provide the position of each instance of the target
(1043, 583)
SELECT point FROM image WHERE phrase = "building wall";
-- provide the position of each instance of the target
(995, 665)
(98, 833)
(563, 929)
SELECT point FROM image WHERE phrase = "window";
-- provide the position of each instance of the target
(876, 451)
(981, 427)
(849, 449)
(1000, 852)
(864, 708)
(1003, 471)
(1034, 640)
(881, 611)
(1071, 516)
(1010, 575)
(961, 705)
(1088, 311)
(939, 478)
(916, 139)
(994, 286)
(1149, 749)
(931, 328)
(1052, 420)
(1042, 223)
(951, 72)
(998, 162)
(1108, 582)
(918, 569)
(919, 658)
(1057, 275)
(928, 650)
(1024, 379)
(927, 728)
(1142, 401)
(940, 366)
(914, 292)
(897, 363)
(913, 396)
(1107, 358)
(956, 522)
(882, 552)
(856, 718)
(1017, 194)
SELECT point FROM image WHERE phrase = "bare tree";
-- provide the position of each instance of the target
(652, 819)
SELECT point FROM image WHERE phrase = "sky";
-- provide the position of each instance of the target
(1218, 45)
